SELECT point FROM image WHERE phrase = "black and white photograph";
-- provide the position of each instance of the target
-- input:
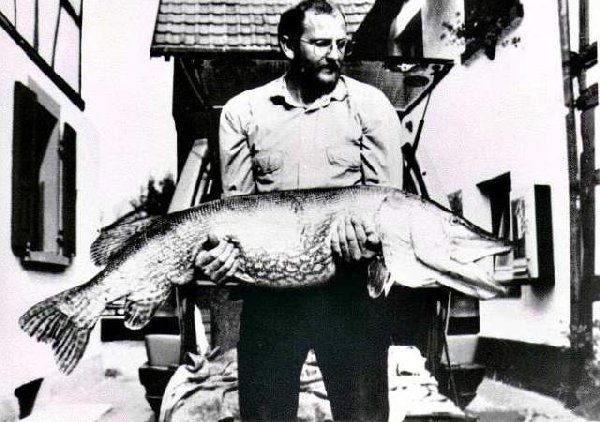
(299, 210)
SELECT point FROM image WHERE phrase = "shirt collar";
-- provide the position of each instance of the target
(280, 92)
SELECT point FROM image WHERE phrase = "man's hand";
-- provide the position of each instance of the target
(353, 239)
(218, 260)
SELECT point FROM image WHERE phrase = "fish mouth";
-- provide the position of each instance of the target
(483, 235)
(472, 243)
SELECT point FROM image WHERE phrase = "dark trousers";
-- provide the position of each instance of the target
(349, 333)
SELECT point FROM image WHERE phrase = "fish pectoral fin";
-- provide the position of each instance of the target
(378, 278)
(140, 306)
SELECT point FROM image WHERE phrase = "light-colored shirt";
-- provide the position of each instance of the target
(270, 142)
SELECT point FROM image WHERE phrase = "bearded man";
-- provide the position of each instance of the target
(310, 128)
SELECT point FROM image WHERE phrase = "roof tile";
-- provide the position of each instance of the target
(218, 8)
(231, 25)
(189, 9)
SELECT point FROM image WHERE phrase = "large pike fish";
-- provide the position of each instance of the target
(284, 242)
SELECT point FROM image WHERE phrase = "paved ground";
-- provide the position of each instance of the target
(112, 382)
(105, 385)
(500, 402)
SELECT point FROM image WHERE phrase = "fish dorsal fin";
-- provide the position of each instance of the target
(140, 306)
(113, 238)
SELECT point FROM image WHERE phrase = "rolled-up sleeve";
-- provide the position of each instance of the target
(382, 142)
(235, 158)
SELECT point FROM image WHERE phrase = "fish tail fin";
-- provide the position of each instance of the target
(67, 332)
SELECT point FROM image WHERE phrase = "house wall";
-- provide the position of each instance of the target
(507, 115)
(125, 135)
(23, 359)
(129, 96)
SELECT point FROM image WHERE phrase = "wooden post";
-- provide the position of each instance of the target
(587, 184)
(581, 199)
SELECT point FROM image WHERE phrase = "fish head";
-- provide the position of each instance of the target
(432, 225)
(425, 244)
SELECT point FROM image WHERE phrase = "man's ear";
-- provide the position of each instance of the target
(287, 47)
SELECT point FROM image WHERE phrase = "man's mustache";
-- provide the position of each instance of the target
(333, 66)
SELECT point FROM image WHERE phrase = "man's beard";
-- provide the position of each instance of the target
(313, 80)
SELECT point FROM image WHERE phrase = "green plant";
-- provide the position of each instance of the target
(155, 201)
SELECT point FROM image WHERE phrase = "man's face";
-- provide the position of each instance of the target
(318, 55)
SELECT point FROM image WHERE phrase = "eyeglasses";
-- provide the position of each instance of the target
(324, 46)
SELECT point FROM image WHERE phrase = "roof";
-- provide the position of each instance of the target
(218, 26)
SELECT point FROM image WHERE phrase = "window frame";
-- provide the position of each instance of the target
(29, 149)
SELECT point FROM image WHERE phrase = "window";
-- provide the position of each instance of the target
(497, 190)
(523, 214)
(43, 185)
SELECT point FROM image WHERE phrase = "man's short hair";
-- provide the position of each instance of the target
(291, 23)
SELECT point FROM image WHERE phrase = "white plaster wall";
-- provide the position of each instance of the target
(129, 96)
(490, 117)
(23, 359)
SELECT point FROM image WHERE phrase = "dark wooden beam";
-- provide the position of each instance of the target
(588, 98)
(68, 7)
(580, 321)
(587, 58)
(63, 85)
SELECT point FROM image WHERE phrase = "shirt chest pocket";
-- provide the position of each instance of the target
(267, 162)
(344, 158)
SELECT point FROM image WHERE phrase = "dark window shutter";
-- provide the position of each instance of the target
(69, 185)
(24, 186)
